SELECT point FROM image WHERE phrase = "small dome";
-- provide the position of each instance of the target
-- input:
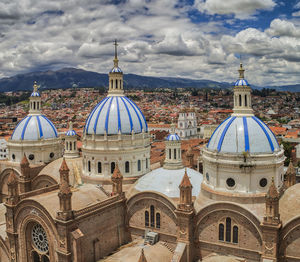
(71, 133)
(167, 181)
(241, 82)
(173, 137)
(34, 128)
(116, 70)
(35, 94)
(114, 114)
(242, 134)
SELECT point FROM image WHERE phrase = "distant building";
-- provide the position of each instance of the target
(187, 124)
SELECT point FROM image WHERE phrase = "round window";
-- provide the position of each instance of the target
(230, 182)
(263, 182)
(31, 157)
(13, 156)
(51, 155)
(39, 238)
(207, 176)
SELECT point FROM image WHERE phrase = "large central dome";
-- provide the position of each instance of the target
(243, 134)
(115, 114)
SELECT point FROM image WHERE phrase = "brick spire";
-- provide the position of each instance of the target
(24, 161)
(272, 192)
(272, 205)
(290, 175)
(185, 182)
(142, 257)
(117, 180)
(185, 201)
(64, 194)
(12, 184)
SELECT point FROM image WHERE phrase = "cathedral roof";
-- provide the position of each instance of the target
(35, 94)
(116, 70)
(243, 134)
(34, 127)
(167, 181)
(241, 82)
(115, 114)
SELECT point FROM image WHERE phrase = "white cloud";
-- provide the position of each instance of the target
(155, 39)
(242, 9)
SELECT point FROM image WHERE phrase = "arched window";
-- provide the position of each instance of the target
(38, 105)
(221, 232)
(240, 100)
(116, 84)
(99, 168)
(111, 83)
(235, 235)
(152, 216)
(139, 165)
(67, 146)
(71, 146)
(75, 145)
(89, 166)
(112, 167)
(170, 151)
(34, 105)
(174, 153)
(146, 163)
(228, 229)
(157, 220)
(127, 167)
(120, 84)
(146, 218)
(245, 100)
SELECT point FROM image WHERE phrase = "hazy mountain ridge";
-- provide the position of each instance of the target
(70, 77)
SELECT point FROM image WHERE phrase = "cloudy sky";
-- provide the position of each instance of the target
(200, 39)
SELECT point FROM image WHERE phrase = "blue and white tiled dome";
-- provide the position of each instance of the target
(114, 114)
(116, 69)
(71, 133)
(241, 82)
(35, 94)
(173, 137)
(243, 134)
(34, 127)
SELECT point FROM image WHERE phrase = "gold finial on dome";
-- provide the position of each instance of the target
(241, 71)
(116, 60)
(35, 87)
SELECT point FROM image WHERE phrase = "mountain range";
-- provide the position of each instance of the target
(72, 77)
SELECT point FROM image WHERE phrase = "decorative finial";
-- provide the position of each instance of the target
(116, 54)
(35, 87)
(173, 128)
(241, 71)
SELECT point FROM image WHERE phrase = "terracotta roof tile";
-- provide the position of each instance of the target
(185, 182)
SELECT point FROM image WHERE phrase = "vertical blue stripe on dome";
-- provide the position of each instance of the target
(17, 127)
(224, 133)
(107, 114)
(50, 123)
(246, 134)
(266, 126)
(141, 114)
(97, 117)
(265, 131)
(140, 121)
(87, 123)
(119, 117)
(216, 130)
(24, 128)
(130, 120)
(40, 126)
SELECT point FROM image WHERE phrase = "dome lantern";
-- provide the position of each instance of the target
(115, 87)
(35, 104)
(242, 95)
